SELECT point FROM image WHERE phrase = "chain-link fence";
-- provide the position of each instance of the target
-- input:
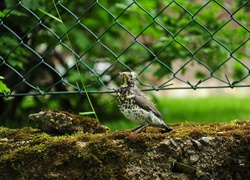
(56, 47)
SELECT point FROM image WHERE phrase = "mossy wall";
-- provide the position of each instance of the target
(190, 151)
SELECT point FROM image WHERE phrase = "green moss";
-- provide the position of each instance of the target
(42, 155)
(27, 153)
(142, 142)
(106, 157)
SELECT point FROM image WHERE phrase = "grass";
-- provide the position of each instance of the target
(196, 110)
(207, 110)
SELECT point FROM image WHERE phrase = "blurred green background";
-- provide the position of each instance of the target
(179, 42)
(212, 109)
(196, 110)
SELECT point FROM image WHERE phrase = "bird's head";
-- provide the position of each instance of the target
(128, 78)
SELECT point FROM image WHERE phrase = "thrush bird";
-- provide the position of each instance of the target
(135, 106)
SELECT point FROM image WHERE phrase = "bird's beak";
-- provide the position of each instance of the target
(121, 74)
(125, 77)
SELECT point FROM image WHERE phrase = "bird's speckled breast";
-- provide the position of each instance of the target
(124, 97)
(129, 108)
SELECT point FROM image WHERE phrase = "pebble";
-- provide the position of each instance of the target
(197, 145)
(194, 158)
(205, 140)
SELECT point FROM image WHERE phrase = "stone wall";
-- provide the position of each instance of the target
(190, 151)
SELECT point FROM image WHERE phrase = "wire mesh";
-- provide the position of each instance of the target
(170, 44)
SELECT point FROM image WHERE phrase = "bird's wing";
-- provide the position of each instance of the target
(144, 103)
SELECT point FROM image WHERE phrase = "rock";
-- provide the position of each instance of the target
(194, 158)
(62, 122)
(197, 145)
(205, 140)
(121, 155)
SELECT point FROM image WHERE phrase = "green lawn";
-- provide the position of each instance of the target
(198, 110)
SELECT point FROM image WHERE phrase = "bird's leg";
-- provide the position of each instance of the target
(139, 129)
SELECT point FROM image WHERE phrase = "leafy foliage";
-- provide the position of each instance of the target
(3, 86)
